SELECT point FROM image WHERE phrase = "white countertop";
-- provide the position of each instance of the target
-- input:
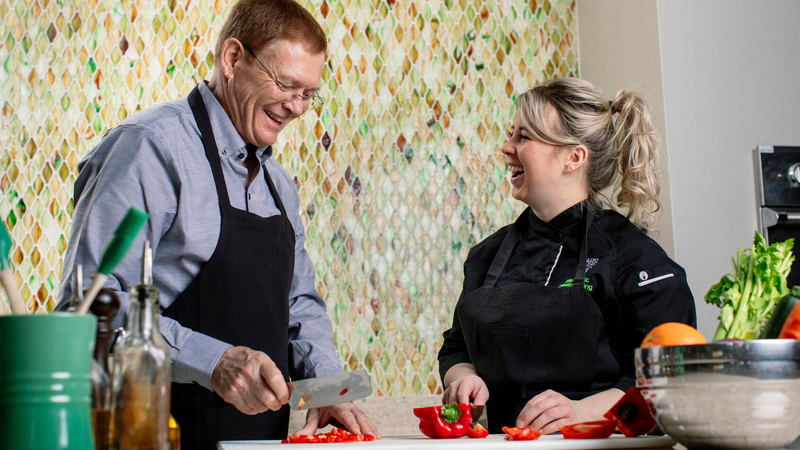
(493, 442)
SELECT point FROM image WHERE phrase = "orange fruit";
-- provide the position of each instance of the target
(673, 333)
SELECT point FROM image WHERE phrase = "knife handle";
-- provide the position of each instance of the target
(220, 403)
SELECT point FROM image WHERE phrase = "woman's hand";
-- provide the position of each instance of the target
(549, 411)
(469, 389)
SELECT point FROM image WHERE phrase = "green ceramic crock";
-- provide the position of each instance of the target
(45, 384)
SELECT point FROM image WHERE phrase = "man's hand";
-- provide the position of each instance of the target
(343, 415)
(250, 381)
(470, 389)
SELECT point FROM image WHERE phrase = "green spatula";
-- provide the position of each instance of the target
(116, 248)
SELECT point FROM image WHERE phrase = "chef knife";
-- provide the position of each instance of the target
(330, 390)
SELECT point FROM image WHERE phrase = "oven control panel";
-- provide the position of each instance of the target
(778, 176)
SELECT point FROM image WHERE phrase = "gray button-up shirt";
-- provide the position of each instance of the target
(155, 161)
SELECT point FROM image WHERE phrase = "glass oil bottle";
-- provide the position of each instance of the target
(141, 373)
(77, 294)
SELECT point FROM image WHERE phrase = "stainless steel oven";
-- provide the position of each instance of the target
(777, 172)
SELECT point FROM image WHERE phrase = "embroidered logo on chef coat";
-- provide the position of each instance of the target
(590, 262)
(651, 276)
(570, 282)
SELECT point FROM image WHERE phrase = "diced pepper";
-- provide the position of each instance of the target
(335, 435)
(632, 415)
(444, 422)
(477, 432)
(521, 434)
(599, 429)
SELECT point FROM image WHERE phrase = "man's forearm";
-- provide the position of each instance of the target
(458, 371)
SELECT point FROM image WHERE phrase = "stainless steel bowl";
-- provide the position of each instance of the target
(735, 395)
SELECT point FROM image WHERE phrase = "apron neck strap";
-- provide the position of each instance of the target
(580, 271)
(502, 255)
(207, 135)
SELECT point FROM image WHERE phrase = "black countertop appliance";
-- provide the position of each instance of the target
(777, 173)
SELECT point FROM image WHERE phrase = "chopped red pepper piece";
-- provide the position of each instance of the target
(791, 327)
(632, 415)
(521, 434)
(599, 429)
(344, 391)
(444, 422)
(335, 435)
(477, 431)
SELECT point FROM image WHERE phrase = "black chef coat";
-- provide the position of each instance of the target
(632, 281)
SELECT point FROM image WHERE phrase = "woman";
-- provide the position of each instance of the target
(554, 305)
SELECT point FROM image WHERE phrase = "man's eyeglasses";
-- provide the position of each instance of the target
(310, 101)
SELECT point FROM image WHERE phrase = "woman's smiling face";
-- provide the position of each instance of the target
(535, 166)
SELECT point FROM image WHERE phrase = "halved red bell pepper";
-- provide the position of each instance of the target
(521, 434)
(598, 429)
(632, 415)
(444, 422)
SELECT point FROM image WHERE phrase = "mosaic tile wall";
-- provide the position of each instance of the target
(399, 173)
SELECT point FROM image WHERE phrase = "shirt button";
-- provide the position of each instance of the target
(643, 275)
(240, 156)
(224, 151)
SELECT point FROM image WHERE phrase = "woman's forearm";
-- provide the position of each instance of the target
(593, 407)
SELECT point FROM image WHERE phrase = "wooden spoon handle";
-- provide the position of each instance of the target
(97, 283)
(14, 300)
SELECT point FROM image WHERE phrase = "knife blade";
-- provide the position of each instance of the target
(330, 390)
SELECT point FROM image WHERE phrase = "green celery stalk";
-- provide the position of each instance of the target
(737, 329)
(748, 295)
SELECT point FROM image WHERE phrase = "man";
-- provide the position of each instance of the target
(239, 308)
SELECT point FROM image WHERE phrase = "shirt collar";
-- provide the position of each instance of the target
(558, 226)
(229, 142)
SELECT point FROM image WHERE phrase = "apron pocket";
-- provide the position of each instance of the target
(509, 356)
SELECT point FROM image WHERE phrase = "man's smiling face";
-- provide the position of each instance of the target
(259, 107)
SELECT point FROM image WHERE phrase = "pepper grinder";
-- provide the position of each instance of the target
(105, 307)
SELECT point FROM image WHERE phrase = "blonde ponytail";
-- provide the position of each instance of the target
(638, 142)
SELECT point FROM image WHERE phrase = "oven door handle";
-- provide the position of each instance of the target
(770, 217)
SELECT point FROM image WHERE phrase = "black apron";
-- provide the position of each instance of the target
(240, 296)
(525, 338)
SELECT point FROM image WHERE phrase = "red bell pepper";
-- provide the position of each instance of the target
(791, 327)
(477, 432)
(444, 422)
(632, 415)
(599, 429)
(335, 435)
(521, 434)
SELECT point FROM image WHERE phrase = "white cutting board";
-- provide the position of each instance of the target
(493, 442)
